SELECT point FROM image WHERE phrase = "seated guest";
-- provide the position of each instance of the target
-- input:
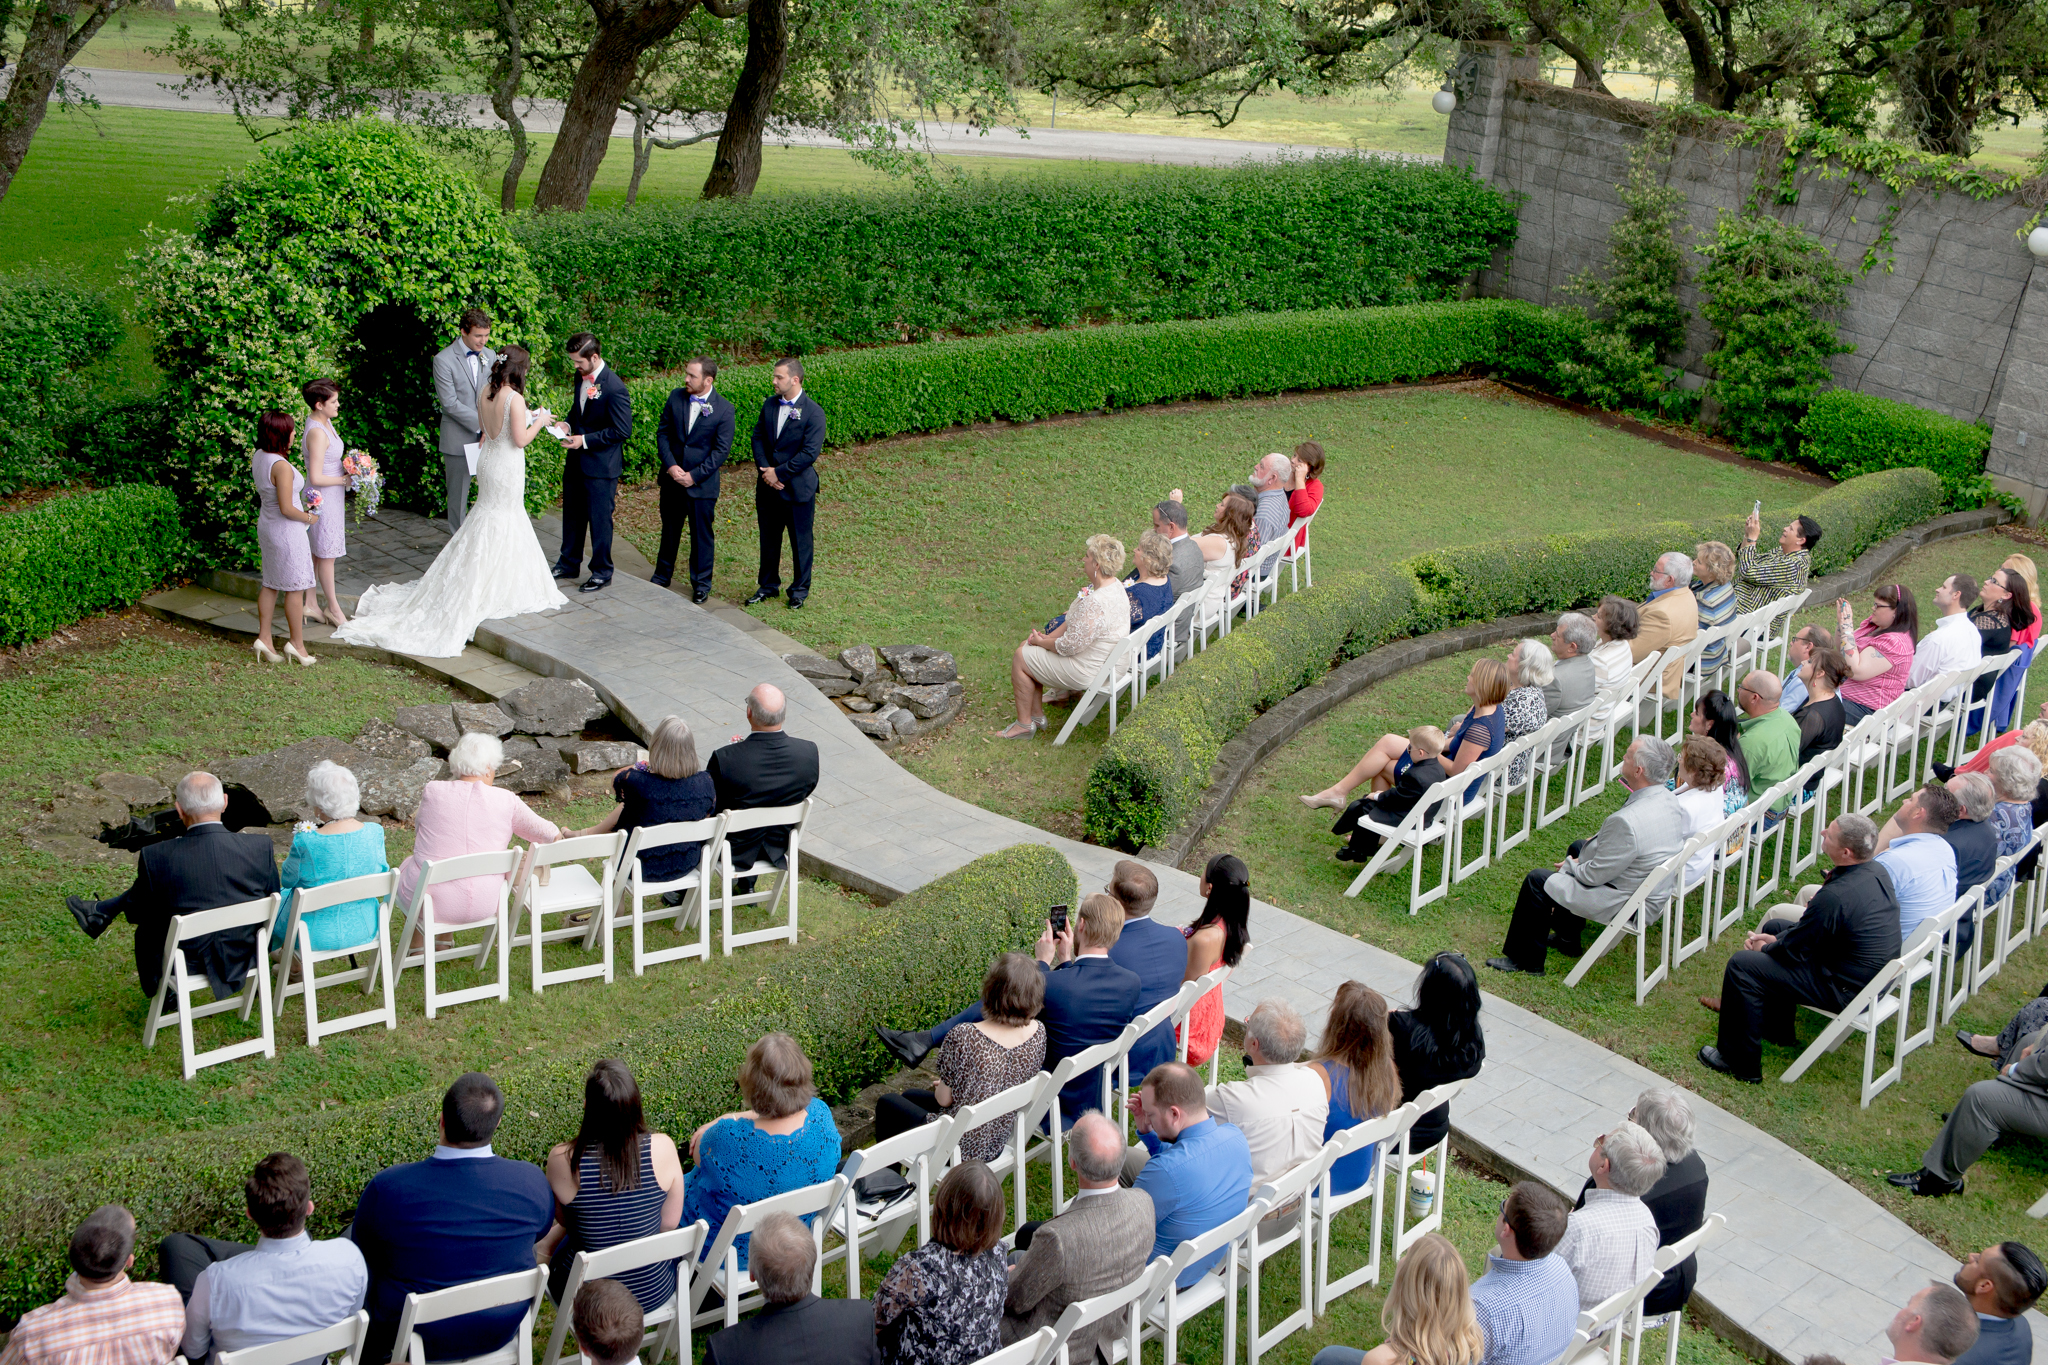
(667, 788)
(1197, 1170)
(1527, 1301)
(1820, 717)
(467, 814)
(616, 1181)
(1822, 957)
(1157, 953)
(1922, 863)
(1305, 491)
(1974, 838)
(1669, 619)
(983, 1058)
(1880, 652)
(1715, 716)
(1610, 1240)
(1571, 690)
(464, 1214)
(2034, 736)
(1428, 1313)
(1762, 579)
(1678, 1201)
(2017, 570)
(1478, 734)
(1229, 541)
(2013, 1101)
(1425, 769)
(1101, 1243)
(1280, 1106)
(1151, 592)
(2001, 1282)
(239, 1296)
(784, 1140)
(1770, 737)
(1355, 1060)
(1068, 656)
(2015, 778)
(340, 847)
(1530, 670)
(1713, 591)
(1184, 557)
(768, 768)
(1935, 1327)
(2030, 1019)
(1271, 477)
(1954, 643)
(795, 1327)
(104, 1318)
(1618, 622)
(942, 1303)
(1798, 649)
(204, 868)
(1438, 1041)
(608, 1323)
(1216, 940)
(1702, 774)
(2005, 608)
(1601, 873)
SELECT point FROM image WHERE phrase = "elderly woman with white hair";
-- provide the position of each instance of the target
(467, 814)
(1678, 1201)
(1070, 652)
(333, 846)
(2015, 778)
(1533, 668)
(668, 787)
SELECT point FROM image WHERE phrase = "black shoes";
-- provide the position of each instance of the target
(796, 603)
(660, 580)
(1348, 854)
(566, 571)
(1924, 1183)
(1711, 1059)
(1577, 949)
(905, 1046)
(596, 584)
(1508, 964)
(701, 596)
(762, 595)
(92, 921)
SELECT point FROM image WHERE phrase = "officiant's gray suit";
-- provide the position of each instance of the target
(459, 381)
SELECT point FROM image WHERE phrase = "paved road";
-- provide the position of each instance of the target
(150, 90)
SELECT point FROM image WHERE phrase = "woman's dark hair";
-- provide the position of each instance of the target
(967, 1211)
(1618, 618)
(1230, 903)
(1723, 720)
(1446, 1014)
(2019, 611)
(612, 1123)
(1310, 453)
(1830, 664)
(1234, 524)
(510, 369)
(318, 391)
(274, 433)
(1013, 992)
(1905, 612)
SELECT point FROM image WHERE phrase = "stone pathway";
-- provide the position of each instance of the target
(1812, 1266)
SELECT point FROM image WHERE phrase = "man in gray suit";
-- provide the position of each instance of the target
(1099, 1244)
(462, 370)
(1184, 574)
(1603, 871)
(1571, 689)
(2013, 1101)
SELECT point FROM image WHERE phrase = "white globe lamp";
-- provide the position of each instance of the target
(2037, 242)
(1443, 101)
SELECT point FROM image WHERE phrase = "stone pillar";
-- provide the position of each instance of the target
(2018, 462)
(1474, 136)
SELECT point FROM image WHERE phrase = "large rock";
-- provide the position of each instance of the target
(920, 665)
(862, 661)
(602, 755)
(529, 768)
(394, 788)
(857, 703)
(278, 779)
(552, 706)
(481, 717)
(80, 810)
(925, 725)
(132, 789)
(877, 689)
(75, 850)
(434, 724)
(381, 739)
(817, 666)
(832, 687)
(874, 727)
(924, 702)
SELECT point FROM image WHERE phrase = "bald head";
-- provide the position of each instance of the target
(1758, 694)
(766, 707)
(1095, 1149)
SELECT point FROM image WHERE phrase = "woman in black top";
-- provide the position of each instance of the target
(669, 788)
(1821, 720)
(2005, 607)
(1439, 1040)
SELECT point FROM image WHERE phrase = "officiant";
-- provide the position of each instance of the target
(694, 440)
(600, 419)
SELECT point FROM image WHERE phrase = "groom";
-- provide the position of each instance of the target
(600, 419)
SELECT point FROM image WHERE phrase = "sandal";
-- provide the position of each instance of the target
(1031, 728)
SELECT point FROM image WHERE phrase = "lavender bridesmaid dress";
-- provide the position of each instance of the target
(287, 554)
(330, 533)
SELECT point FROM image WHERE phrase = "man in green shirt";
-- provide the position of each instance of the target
(1769, 735)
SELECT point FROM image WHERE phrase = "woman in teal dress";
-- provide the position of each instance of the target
(783, 1141)
(340, 847)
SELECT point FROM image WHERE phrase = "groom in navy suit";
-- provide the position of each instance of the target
(600, 419)
(693, 441)
(788, 437)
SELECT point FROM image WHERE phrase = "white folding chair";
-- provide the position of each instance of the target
(570, 887)
(1024, 1104)
(1612, 709)
(1530, 754)
(181, 983)
(1603, 1327)
(1166, 1014)
(919, 1150)
(1175, 1307)
(1880, 1002)
(1023, 1352)
(1296, 559)
(1647, 910)
(1721, 905)
(1208, 981)
(1291, 1189)
(1670, 1258)
(1373, 1135)
(500, 1291)
(1134, 1300)
(1563, 758)
(1968, 706)
(720, 1269)
(1177, 634)
(783, 880)
(497, 930)
(1482, 787)
(1427, 822)
(1265, 579)
(1437, 1159)
(1660, 704)
(692, 886)
(346, 1336)
(1212, 611)
(1101, 1060)
(307, 901)
(1123, 671)
(667, 1327)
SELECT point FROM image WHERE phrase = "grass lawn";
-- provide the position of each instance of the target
(1289, 849)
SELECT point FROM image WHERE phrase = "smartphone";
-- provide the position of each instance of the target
(1058, 916)
(1756, 509)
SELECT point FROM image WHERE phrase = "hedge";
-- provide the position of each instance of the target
(918, 960)
(1154, 770)
(56, 333)
(1849, 433)
(791, 274)
(71, 556)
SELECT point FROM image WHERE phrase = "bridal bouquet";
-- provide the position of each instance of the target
(365, 480)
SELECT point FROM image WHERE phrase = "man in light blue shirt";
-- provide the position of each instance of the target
(1798, 650)
(286, 1285)
(1197, 1170)
(1921, 862)
(1527, 1301)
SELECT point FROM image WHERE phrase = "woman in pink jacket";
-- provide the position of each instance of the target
(466, 814)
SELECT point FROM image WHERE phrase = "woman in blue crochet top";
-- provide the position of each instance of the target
(784, 1141)
(341, 847)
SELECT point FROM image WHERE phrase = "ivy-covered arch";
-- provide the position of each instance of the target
(350, 250)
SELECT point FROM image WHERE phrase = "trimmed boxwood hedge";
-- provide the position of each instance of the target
(918, 960)
(71, 556)
(1849, 433)
(1154, 770)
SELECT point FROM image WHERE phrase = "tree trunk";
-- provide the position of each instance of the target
(505, 103)
(625, 31)
(736, 165)
(46, 49)
(1707, 86)
(643, 147)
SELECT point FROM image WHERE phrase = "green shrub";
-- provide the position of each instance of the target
(54, 333)
(70, 556)
(1152, 772)
(916, 961)
(774, 275)
(1849, 433)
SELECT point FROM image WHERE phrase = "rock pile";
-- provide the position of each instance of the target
(892, 693)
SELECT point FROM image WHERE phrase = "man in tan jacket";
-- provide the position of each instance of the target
(1099, 1244)
(1670, 617)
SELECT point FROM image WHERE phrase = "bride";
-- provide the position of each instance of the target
(493, 566)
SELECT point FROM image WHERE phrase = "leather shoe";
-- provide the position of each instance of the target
(92, 921)
(796, 603)
(701, 596)
(904, 1045)
(1569, 949)
(1711, 1059)
(1711, 1002)
(660, 580)
(564, 571)
(762, 595)
(1507, 964)
(594, 584)
(1923, 1183)
(1348, 854)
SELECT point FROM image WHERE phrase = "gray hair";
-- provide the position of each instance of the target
(672, 752)
(1635, 1162)
(1975, 792)
(782, 1257)
(1677, 564)
(1275, 466)
(1539, 665)
(1279, 1031)
(1579, 630)
(201, 794)
(759, 712)
(1665, 1116)
(1857, 834)
(1655, 758)
(1106, 553)
(332, 791)
(1096, 1147)
(475, 754)
(2015, 772)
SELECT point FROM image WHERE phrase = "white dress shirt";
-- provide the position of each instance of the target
(1610, 1244)
(1953, 643)
(783, 410)
(283, 1288)
(1700, 808)
(1281, 1110)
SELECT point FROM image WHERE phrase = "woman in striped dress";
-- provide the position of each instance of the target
(617, 1182)
(1713, 574)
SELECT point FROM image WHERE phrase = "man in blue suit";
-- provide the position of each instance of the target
(789, 435)
(462, 1215)
(1158, 954)
(600, 419)
(693, 441)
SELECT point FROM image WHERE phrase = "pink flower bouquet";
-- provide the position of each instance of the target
(365, 480)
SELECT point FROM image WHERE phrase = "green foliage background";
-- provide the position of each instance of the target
(1848, 433)
(56, 333)
(68, 557)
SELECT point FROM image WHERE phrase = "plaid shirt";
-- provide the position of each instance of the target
(1610, 1244)
(126, 1323)
(1766, 578)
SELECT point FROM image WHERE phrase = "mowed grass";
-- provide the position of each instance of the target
(1289, 849)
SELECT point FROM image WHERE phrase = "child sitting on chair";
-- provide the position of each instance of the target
(1425, 770)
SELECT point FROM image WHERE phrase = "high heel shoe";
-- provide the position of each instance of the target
(1004, 733)
(307, 659)
(266, 654)
(1322, 800)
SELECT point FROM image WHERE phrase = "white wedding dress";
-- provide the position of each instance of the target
(492, 567)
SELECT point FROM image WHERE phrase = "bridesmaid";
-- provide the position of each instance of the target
(281, 530)
(321, 452)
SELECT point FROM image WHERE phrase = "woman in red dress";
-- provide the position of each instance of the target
(1217, 938)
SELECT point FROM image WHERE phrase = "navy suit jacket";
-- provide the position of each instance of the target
(1087, 1001)
(793, 454)
(604, 423)
(1159, 955)
(701, 450)
(2000, 1341)
(205, 868)
(431, 1224)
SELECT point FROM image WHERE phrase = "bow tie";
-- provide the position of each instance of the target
(476, 355)
(703, 400)
(787, 402)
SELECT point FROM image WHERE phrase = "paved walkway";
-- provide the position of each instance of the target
(1812, 1266)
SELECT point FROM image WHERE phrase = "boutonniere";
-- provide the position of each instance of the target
(590, 389)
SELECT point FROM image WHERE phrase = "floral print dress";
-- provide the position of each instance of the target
(937, 1307)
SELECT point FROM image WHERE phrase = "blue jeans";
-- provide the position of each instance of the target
(1339, 1355)
(1852, 712)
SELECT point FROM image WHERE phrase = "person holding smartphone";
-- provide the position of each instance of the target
(1879, 652)
(1764, 578)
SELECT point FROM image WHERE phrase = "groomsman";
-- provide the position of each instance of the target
(694, 441)
(788, 438)
(600, 418)
(461, 370)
